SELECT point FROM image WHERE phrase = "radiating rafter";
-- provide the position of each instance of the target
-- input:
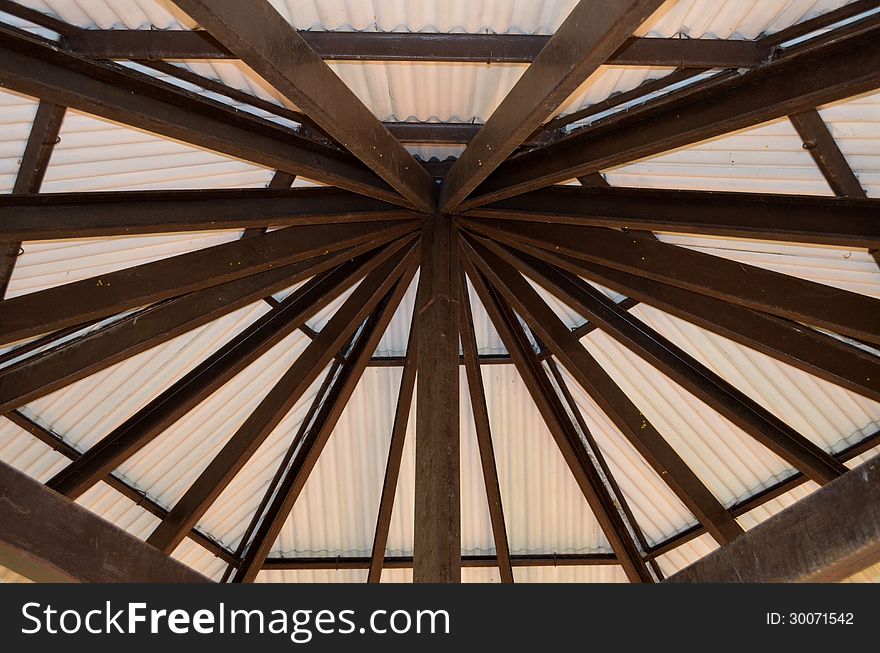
(257, 33)
(590, 34)
(39, 69)
(402, 412)
(812, 351)
(484, 431)
(277, 403)
(210, 375)
(610, 398)
(820, 220)
(54, 216)
(315, 437)
(34, 163)
(830, 71)
(682, 368)
(842, 311)
(563, 430)
(111, 293)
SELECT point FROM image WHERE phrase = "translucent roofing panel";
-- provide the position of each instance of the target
(765, 159)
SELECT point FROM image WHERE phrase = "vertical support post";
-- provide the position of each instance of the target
(437, 538)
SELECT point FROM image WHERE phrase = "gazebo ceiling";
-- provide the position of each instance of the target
(256, 317)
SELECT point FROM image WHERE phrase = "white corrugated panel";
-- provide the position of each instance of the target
(89, 409)
(229, 516)
(765, 159)
(95, 154)
(106, 502)
(686, 554)
(727, 460)
(851, 269)
(48, 263)
(855, 125)
(16, 117)
(167, 466)
(829, 415)
(657, 510)
(200, 559)
(544, 508)
(28, 454)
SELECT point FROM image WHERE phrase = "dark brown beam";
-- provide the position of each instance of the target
(822, 220)
(48, 538)
(814, 352)
(31, 170)
(269, 493)
(115, 93)
(683, 369)
(819, 142)
(78, 215)
(280, 180)
(138, 497)
(39, 18)
(277, 403)
(838, 310)
(641, 91)
(564, 432)
(826, 537)
(207, 377)
(761, 497)
(590, 34)
(257, 33)
(470, 561)
(437, 536)
(825, 74)
(397, 46)
(608, 395)
(309, 448)
(59, 366)
(77, 302)
(483, 429)
(450, 133)
(395, 449)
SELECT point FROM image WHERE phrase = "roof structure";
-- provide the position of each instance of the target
(501, 290)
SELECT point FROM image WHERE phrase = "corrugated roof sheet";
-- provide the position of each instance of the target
(544, 509)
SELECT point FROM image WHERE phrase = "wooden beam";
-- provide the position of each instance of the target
(826, 537)
(826, 73)
(469, 561)
(31, 170)
(207, 377)
(610, 398)
(277, 403)
(437, 536)
(683, 369)
(77, 215)
(417, 46)
(49, 538)
(844, 312)
(40, 69)
(819, 142)
(821, 220)
(395, 448)
(108, 294)
(814, 352)
(66, 362)
(564, 432)
(591, 33)
(257, 33)
(483, 429)
(315, 437)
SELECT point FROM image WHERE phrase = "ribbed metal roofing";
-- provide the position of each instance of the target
(544, 509)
